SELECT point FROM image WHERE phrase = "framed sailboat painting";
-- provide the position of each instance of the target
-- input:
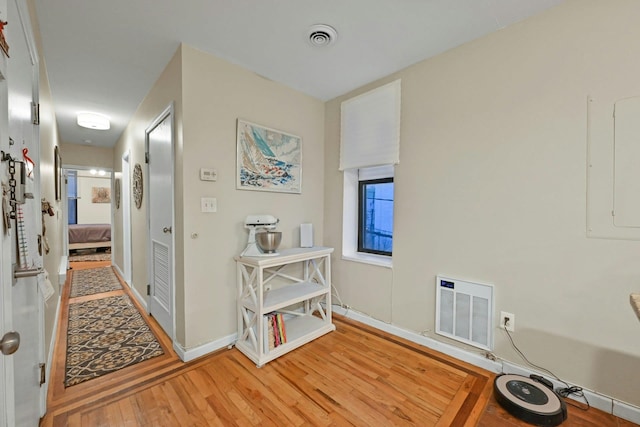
(268, 159)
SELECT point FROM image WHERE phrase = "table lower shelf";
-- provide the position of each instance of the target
(300, 330)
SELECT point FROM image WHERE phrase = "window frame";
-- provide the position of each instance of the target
(351, 177)
(362, 184)
(72, 201)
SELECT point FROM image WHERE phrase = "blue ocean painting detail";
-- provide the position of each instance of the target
(268, 159)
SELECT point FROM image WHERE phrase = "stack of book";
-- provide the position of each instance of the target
(274, 332)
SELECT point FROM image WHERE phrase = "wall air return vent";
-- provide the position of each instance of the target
(464, 312)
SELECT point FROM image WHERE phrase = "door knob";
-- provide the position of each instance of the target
(166, 230)
(10, 343)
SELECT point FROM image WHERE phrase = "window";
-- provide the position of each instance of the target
(375, 216)
(369, 149)
(72, 196)
(368, 199)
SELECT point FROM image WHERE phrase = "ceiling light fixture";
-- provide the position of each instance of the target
(93, 171)
(321, 35)
(93, 121)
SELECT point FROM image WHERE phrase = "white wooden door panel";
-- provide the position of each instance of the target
(160, 205)
(23, 305)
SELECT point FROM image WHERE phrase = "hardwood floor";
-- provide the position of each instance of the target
(356, 375)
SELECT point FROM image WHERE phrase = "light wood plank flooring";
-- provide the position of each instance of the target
(356, 375)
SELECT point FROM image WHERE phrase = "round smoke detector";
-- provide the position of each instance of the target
(321, 35)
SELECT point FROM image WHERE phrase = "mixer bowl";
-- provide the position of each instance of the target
(268, 241)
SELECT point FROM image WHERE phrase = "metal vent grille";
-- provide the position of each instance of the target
(322, 35)
(162, 291)
(463, 311)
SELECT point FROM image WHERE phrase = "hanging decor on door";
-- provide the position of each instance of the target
(29, 164)
(3, 42)
(137, 185)
(23, 249)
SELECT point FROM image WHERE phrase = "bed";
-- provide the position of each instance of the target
(84, 236)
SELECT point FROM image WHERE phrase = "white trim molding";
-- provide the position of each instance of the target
(62, 271)
(52, 347)
(187, 355)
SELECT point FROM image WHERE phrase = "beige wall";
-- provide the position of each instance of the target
(211, 94)
(167, 89)
(89, 212)
(54, 226)
(217, 93)
(491, 187)
(87, 156)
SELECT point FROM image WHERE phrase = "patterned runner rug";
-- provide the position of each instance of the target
(93, 281)
(106, 335)
(90, 257)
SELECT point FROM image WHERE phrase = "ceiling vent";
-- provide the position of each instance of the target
(321, 35)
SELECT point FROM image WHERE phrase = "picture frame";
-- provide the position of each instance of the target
(137, 184)
(267, 159)
(100, 195)
(116, 192)
(57, 173)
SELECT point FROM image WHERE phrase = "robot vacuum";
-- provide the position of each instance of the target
(530, 399)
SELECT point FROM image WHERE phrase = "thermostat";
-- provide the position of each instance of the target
(208, 174)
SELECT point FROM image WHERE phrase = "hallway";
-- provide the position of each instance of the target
(62, 400)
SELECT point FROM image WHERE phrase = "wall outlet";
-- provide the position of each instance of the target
(508, 319)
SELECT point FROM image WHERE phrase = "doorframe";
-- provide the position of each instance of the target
(64, 201)
(6, 363)
(126, 216)
(9, 377)
(167, 112)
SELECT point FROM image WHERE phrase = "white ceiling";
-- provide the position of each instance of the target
(104, 56)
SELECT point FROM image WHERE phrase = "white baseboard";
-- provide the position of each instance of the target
(187, 355)
(142, 300)
(49, 365)
(626, 411)
(115, 266)
(62, 271)
(604, 403)
(119, 272)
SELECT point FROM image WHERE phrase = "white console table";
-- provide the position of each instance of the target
(302, 292)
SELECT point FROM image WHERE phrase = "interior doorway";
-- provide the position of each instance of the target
(88, 213)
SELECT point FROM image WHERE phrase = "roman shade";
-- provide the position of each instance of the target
(370, 128)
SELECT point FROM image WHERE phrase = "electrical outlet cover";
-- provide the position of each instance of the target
(511, 327)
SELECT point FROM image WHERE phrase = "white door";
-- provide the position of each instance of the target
(159, 142)
(22, 301)
(6, 317)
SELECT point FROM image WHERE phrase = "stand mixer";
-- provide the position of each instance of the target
(255, 223)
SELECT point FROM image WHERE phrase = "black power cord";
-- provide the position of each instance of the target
(566, 391)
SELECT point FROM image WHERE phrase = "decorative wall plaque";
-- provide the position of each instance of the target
(137, 185)
(116, 192)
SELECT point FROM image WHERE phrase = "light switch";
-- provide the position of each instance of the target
(207, 174)
(208, 204)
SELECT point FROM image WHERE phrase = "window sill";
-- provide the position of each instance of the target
(379, 260)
